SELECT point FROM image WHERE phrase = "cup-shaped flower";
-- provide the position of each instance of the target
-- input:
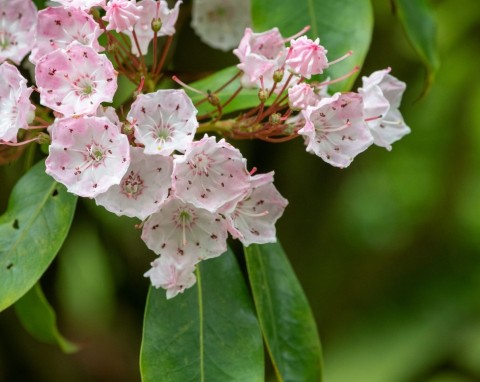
(75, 80)
(185, 233)
(16, 110)
(306, 57)
(163, 121)
(253, 219)
(167, 274)
(121, 15)
(87, 154)
(153, 10)
(210, 174)
(221, 23)
(17, 29)
(57, 27)
(335, 129)
(143, 188)
(382, 94)
(260, 54)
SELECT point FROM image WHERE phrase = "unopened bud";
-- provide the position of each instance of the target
(263, 95)
(213, 98)
(43, 138)
(95, 13)
(275, 118)
(111, 47)
(156, 25)
(127, 128)
(278, 75)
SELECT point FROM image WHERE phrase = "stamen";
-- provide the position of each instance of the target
(264, 213)
(346, 55)
(331, 129)
(373, 118)
(184, 236)
(298, 34)
(181, 83)
(253, 171)
(396, 122)
(341, 78)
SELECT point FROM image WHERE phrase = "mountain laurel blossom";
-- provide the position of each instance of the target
(75, 80)
(16, 110)
(17, 29)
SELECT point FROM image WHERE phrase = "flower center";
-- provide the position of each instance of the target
(85, 86)
(184, 218)
(95, 154)
(132, 185)
(6, 40)
(200, 164)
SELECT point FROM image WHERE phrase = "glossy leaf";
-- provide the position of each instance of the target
(246, 99)
(39, 319)
(342, 25)
(208, 333)
(287, 322)
(419, 23)
(32, 231)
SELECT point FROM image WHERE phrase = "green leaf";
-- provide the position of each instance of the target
(208, 333)
(420, 25)
(32, 231)
(342, 25)
(38, 318)
(285, 317)
(246, 99)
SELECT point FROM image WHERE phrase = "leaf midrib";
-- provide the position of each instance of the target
(200, 321)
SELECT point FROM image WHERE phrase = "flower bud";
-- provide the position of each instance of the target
(213, 98)
(278, 75)
(263, 95)
(43, 138)
(127, 128)
(275, 118)
(156, 25)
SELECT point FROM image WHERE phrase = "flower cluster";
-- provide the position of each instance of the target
(337, 127)
(189, 194)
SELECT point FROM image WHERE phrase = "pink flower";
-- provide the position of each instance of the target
(306, 57)
(82, 4)
(168, 17)
(185, 233)
(210, 174)
(75, 80)
(121, 14)
(335, 129)
(17, 29)
(382, 95)
(260, 54)
(163, 121)
(152, 10)
(58, 27)
(167, 274)
(253, 218)
(87, 154)
(221, 23)
(16, 110)
(110, 113)
(302, 95)
(144, 187)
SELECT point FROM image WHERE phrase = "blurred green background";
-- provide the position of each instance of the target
(387, 250)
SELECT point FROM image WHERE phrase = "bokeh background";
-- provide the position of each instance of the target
(387, 250)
